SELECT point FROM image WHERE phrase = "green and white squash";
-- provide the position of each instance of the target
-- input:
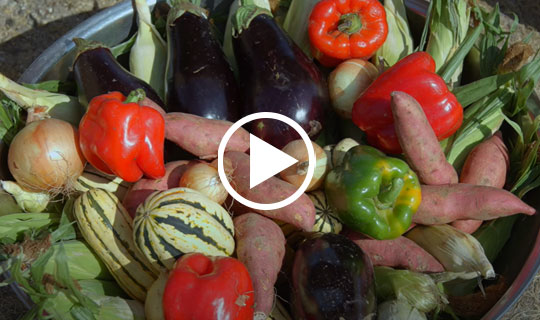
(181, 220)
(325, 216)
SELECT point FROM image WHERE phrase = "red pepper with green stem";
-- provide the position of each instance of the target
(119, 136)
(344, 29)
(414, 75)
(203, 287)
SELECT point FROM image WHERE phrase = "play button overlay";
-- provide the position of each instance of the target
(266, 161)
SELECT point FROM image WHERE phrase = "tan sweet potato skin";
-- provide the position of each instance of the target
(300, 213)
(397, 253)
(486, 165)
(201, 136)
(260, 246)
(144, 187)
(461, 201)
(419, 143)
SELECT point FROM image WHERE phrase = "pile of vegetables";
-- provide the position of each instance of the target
(113, 207)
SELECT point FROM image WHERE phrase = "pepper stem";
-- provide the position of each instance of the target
(388, 196)
(350, 23)
(135, 96)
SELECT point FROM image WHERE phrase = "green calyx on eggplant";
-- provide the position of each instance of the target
(276, 76)
(97, 72)
(332, 278)
(200, 80)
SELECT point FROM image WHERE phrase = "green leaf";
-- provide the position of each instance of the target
(11, 121)
(515, 126)
(477, 90)
(66, 229)
(56, 86)
(124, 47)
(37, 268)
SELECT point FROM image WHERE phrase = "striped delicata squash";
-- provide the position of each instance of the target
(180, 220)
(107, 228)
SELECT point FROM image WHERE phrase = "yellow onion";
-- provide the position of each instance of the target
(204, 178)
(296, 173)
(45, 156)
(347, 82)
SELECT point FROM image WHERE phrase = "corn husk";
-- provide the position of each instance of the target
(448, 27)
(297, 21)
(148, 56)
(398, 309)
(457, 251)
(399, 41)
(83, 263)
(14, 226)
(419, 290)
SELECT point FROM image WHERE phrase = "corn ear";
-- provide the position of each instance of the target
(297, 21)
(102, 287)
(148, 56)
(399, 42)
(83, 263)
(14, 226)
(419, 290)
(448, 27)
(115, 308)
(456, 251)
(398, 309)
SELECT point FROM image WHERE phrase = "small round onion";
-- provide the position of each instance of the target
(347, 82)
(296, 173)
(204, 178)
(45, 156)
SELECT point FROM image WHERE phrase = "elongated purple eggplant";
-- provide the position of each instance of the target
(276, 76)
(97, 72)
(200, 80)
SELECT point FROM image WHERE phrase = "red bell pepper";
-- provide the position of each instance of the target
(344, 29)
(415, 75)
(118, 136)
(205, 288)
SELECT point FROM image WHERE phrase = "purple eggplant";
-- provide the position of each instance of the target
(332, 279)
(276, 76)
(97, 72)
(200, 80)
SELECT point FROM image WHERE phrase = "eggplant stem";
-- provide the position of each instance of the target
(83, 45)
(350, 23)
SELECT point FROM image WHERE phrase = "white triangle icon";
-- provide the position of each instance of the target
(265, 161)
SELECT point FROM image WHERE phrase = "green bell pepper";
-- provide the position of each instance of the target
(374, 194)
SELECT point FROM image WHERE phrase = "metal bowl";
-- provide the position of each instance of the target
(518, 262)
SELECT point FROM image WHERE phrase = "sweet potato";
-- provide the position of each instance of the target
(419, 143)
(300, 213)
(486, 165)
(201, 136)
(140, 190)
(397, 253)
(461, 201)
(260, 245)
